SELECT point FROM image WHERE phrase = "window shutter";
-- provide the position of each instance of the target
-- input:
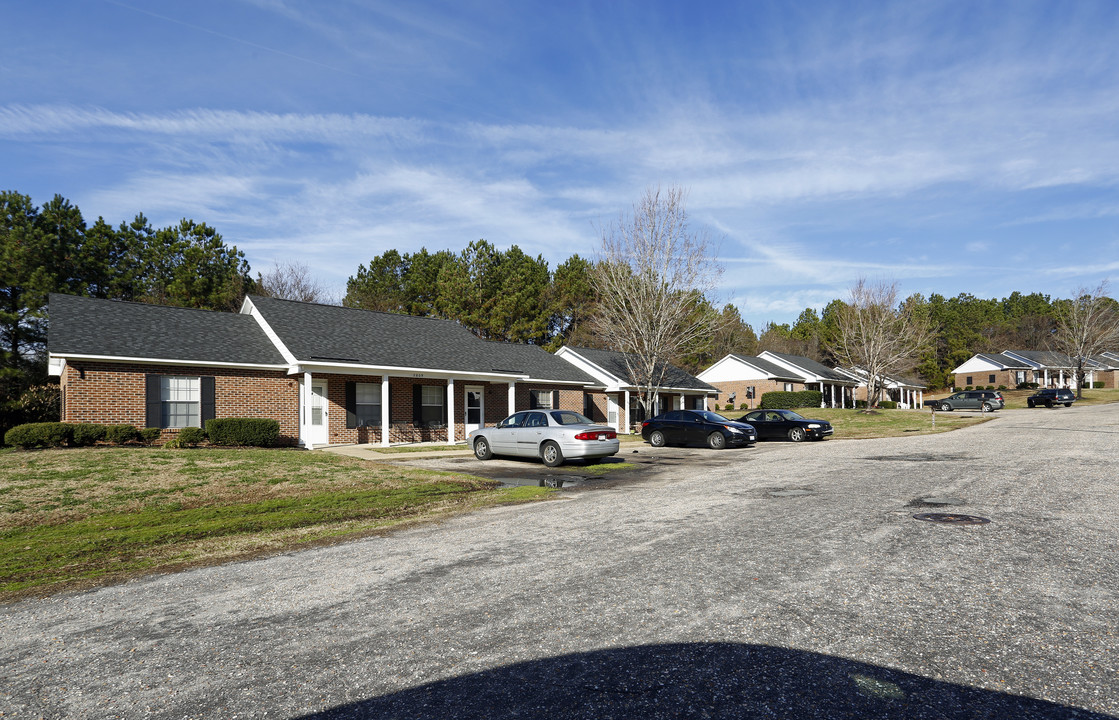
(446, 420)
(351, 404)
(417, 404)
(555, 399)
(208, 409)
(154, 407)
(531, 399)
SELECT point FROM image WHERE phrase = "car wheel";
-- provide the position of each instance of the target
(482, 449)
(945, 407)
(1030, 403)
(796, 434)
(716, 441)
(656, 438)
(1048, 403)
(1068, 404)
(987, 407)
(551, 454)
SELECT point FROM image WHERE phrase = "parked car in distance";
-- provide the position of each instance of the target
(986, 400)
(774, 424)
(551, 435)
(1052, 396)
(696, 427)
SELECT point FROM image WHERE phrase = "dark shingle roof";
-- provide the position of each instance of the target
(813, 367)
(614, 363)
(537, 363)
(1046, 358)
(331, 333)
(110, 328)
(772, 369)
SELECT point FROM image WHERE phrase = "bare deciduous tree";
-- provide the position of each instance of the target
(1086, 325)
(651, 276)
(291, 281)
(879, 334)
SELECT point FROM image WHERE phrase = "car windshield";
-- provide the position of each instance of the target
(567, 417)
(790, 415)
(712, 417)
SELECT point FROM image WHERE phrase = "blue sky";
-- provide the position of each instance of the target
(955, 147)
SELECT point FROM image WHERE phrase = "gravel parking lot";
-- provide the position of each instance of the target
(784, 581)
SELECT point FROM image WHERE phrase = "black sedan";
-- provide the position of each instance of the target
(772, 424)
(696, 427)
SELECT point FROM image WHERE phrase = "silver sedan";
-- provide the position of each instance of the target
(551, 435)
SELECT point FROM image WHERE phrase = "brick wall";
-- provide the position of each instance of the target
(401, 427)
(114, 393)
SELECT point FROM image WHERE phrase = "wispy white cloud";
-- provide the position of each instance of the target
(820, 145)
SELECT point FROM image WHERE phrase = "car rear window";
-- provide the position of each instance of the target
(567, 417)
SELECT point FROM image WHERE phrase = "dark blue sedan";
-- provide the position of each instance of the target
(697, 427)
(773, 424)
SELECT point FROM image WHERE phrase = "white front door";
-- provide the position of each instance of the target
(475, 407)
(315, 420)
(612, 418)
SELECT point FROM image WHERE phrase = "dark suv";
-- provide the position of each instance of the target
(986, 400)
(1051, 396)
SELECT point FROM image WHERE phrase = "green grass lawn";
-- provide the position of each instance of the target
(72, 518)
(860, 425)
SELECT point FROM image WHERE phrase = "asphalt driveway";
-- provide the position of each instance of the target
(792, 582)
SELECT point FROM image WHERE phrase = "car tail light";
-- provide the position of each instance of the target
(597, 435)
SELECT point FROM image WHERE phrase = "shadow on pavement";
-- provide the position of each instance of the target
(709, 680)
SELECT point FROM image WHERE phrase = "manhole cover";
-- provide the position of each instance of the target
(952, 518)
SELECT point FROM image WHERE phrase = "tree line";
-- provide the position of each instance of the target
(498, 294)
(52, 249)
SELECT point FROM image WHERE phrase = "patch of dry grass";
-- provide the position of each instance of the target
(75, 517)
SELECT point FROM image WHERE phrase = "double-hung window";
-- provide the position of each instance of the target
(540, 399)
(431, 404)
(367, 404)
(181, 401)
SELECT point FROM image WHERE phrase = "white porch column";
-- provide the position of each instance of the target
(384, 411)
(512, 397)
(625, 410)
(305, 415)
(832, 391)
(821, 393)
(450, 411)
(1046, 378)
(920, 399)
(1061, 377)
